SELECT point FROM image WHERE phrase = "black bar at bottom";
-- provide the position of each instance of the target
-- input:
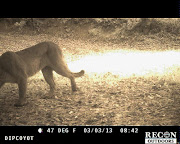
(59, 134)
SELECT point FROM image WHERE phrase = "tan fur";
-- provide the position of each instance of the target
(16, 67)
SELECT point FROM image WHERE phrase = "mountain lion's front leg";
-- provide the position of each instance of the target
(22, 85)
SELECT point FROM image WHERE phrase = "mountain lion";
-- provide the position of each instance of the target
(16, 67)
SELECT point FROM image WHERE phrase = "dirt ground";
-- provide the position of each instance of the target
(106, 99)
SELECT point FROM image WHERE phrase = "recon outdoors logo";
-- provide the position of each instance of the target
(160, 137)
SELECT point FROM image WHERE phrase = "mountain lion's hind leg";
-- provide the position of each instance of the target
(59, 66)
(66, 73)
(48, 76)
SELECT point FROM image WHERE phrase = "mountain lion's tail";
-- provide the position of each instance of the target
(79, 74)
